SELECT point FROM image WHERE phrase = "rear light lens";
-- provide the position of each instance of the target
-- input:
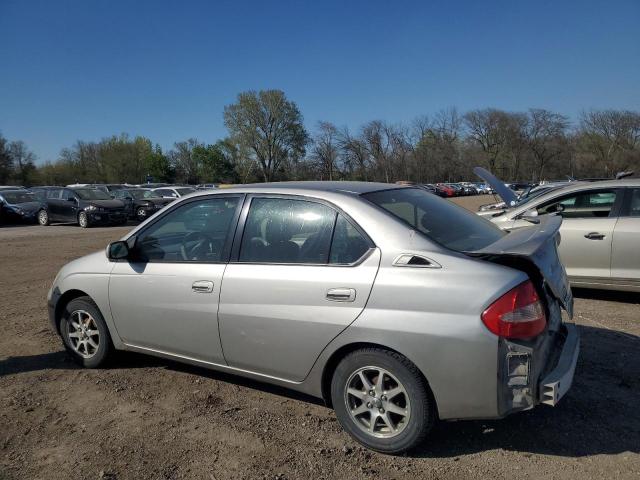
(519, 313)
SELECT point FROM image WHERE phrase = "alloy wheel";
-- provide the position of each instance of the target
(83, 220)
(43, 217)
(83, 333)
(377, 402)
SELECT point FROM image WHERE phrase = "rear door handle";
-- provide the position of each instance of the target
(341, 294)
(595, 236)
(202, 286)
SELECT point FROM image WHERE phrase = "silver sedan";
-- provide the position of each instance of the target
(396, 307)
(600, 230)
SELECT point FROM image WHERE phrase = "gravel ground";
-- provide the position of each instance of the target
(149, 418)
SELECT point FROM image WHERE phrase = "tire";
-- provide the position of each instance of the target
(43, 217)
(141, 214)
(83, 220)
(403, 420)
(80, 342)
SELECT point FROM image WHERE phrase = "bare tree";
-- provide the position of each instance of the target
(23, 161)
(326, 151)
(610, 135)
(545, 132)
(489, 128)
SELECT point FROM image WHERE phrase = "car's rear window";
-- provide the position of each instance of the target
(441, 220)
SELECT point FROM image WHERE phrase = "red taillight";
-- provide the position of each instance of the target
(517, 314)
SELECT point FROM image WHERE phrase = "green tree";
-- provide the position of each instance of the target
(270, 127)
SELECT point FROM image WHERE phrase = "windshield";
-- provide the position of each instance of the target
(440, 220)
(19, 197)
(140, 194)
(185, 191)
(91, 194)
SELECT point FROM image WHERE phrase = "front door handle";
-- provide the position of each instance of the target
(595, 236)
(341, 294)
(202, 286)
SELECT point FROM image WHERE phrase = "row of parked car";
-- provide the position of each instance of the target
(87, 204)
(457, 189)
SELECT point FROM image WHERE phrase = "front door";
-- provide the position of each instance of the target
(588, 221)
(302, 274)
(166, 298)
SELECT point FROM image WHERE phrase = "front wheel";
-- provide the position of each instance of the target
(83, 219)
(85, 333)
(382, 400)
(141, 214)
(43, 217)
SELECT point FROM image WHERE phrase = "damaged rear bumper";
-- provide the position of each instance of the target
(557, 382)
(538, 371)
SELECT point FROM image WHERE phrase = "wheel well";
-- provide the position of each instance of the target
(337, 356)
(64, 301)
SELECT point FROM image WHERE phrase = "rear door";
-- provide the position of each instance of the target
(588, 220)
(625, 251)
(301, 272)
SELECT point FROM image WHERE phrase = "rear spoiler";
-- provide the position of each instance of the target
(538, 245)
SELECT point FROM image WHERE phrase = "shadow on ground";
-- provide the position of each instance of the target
(598, 416)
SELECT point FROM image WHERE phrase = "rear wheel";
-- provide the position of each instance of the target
(83, 219)
(85, 333)
(43, 217)
(382, 400)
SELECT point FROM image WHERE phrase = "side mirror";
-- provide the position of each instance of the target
(118, 250)
(71, 199)
(129, 199)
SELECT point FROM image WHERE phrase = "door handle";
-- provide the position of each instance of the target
(595, 236)
(202, 286)
(341, 294)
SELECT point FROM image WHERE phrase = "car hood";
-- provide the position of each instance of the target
(106, 203)
(506, 194)
(538, 245)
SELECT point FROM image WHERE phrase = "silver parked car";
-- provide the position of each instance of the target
(600, 231)
(396, 307)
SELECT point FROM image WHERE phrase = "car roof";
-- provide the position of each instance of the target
(577, 187)
(317, 187)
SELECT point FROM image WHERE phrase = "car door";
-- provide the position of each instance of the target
(300, 273)
(625, 250)
(165, 298)
(54, 202)
(588, 221)
(69, 205)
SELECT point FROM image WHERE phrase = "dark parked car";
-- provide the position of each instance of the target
(140, 203)
(84, 206)
(22, 206)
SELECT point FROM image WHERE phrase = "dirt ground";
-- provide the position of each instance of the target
(149, 418)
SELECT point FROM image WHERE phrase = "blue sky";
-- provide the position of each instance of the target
(87, 69)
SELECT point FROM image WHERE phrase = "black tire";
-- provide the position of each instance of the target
(43, 217)
(83, 220)
(141, 214)
(422, 409)
(70, 314)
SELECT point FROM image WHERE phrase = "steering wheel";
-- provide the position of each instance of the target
(196, 245)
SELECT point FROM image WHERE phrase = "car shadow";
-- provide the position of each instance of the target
(599, 415)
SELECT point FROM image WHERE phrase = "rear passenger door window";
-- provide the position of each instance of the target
(279, 230)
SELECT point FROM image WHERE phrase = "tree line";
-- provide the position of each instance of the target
(267, 141)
